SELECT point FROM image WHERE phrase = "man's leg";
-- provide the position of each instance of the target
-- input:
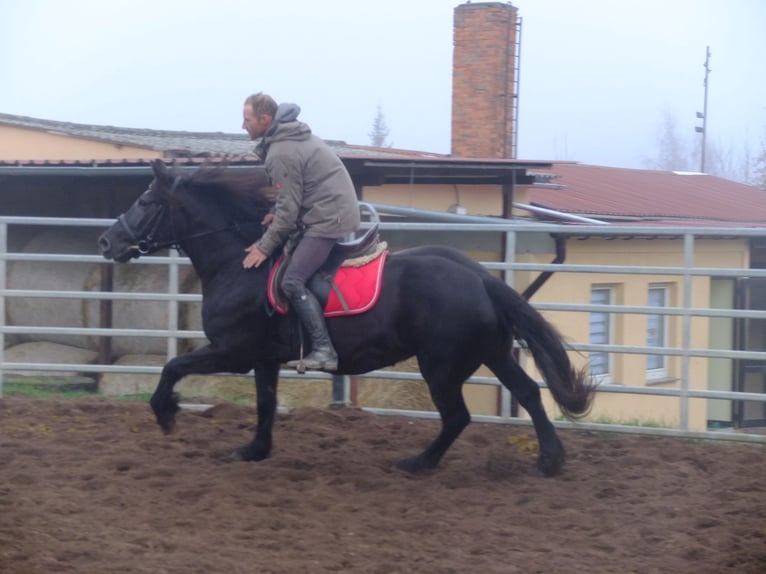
(308, 256)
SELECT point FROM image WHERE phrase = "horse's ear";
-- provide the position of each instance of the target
(160, 170)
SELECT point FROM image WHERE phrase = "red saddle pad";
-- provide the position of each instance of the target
(354, 290)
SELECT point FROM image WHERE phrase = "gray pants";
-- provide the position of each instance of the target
(307, 257)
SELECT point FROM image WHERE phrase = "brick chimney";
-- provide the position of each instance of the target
(485, 80)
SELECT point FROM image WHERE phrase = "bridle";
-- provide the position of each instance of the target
(150, 244)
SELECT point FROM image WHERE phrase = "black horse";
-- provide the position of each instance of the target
(436, 304)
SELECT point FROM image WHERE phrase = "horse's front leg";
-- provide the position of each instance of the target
(266, 380)
(205, 360)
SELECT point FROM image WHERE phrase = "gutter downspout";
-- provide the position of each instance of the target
(561, 254)
(561, 248)
(559, 214)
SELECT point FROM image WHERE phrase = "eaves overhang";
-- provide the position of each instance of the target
(450, 171)
(363, 170)
(105, 168)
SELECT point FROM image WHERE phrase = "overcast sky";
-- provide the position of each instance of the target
(598, 77)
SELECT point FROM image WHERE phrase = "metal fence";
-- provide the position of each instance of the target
(512, 232)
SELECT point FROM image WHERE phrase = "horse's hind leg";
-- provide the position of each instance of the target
(266, 379)
(445, 385)
(527, 392)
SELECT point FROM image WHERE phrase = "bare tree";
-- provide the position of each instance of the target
(672, 154)
(380, 131)
(759, 166)
(676, 153)
(726, 163)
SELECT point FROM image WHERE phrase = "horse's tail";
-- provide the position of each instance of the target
(569, 387)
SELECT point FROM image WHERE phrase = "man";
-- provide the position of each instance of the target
(315, 197)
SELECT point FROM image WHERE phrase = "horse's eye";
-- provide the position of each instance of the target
(145, 198)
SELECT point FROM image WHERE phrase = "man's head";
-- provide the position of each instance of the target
(258, 114)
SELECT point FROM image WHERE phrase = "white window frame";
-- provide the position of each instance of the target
(607, 320)
(657, 365)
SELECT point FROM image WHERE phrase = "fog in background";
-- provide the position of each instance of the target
(601, 81)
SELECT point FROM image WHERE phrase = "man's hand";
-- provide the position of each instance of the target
(254, 257)
(267, 219)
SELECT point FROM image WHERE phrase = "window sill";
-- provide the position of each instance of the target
(662, 380)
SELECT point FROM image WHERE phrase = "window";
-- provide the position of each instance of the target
(657, 332)
(601, 334)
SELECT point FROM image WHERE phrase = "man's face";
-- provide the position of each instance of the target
(254, 125)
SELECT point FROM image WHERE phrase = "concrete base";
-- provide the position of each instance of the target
(46, 352)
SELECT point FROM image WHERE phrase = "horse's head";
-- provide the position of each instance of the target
(143, 228)
(176, 208)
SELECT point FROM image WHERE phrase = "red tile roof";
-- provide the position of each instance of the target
(664, 197)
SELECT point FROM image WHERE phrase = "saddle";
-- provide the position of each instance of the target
(347, 283)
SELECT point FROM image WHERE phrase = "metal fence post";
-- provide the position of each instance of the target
(340, 391)
(3, 287)
(506, 398)
(173, 303)
(686, 332)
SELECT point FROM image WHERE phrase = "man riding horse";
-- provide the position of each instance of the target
(316, 205)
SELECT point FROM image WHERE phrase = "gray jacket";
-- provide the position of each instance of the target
(315, 193)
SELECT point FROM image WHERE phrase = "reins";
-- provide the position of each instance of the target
(149, 245)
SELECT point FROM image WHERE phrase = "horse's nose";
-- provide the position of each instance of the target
(104, 244)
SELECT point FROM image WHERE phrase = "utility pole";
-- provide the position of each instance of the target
(703, 115)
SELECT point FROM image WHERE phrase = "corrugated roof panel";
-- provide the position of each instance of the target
(634, 193)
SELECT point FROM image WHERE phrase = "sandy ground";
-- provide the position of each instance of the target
(92, 486)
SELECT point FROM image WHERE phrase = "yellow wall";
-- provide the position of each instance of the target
(477, 199)
(25, 144)
(631, 329)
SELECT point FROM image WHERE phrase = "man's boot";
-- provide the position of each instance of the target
(323, 356)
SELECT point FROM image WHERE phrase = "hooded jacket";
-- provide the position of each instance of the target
(314, 191)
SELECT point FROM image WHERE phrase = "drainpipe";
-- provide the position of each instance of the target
(563, 216)
(561, 253)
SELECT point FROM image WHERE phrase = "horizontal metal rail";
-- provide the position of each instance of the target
(102, 295)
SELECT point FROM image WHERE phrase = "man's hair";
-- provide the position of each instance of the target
(262, 104)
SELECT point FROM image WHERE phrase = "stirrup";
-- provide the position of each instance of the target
(312, 364)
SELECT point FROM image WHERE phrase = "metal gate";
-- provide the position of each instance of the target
(512, 237)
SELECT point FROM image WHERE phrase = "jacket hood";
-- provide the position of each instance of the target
(284, 127)
(286, 113)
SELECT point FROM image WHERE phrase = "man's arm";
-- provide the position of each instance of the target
(286, 178)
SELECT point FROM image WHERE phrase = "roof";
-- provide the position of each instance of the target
(630, 196)
(368, 165)
(185, 143)
(643, 196)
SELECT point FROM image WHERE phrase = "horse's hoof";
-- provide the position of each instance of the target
(551, 459)
(412, 465)
(238, 456)
(548, 467)
(248, 453)
(167, 426)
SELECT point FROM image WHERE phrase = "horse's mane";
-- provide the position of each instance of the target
(238, 194)
(251, 183)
